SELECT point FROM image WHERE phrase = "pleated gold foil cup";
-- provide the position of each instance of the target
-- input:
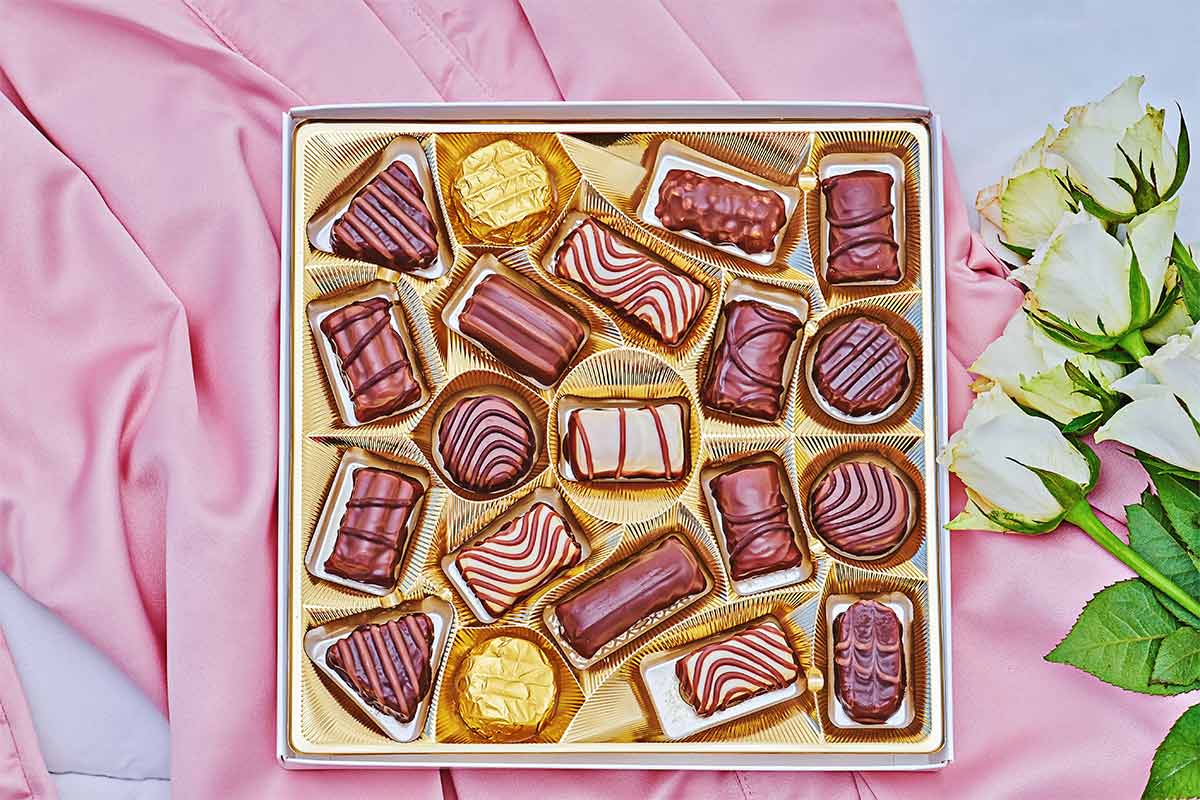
(568, 696)
(627, 705)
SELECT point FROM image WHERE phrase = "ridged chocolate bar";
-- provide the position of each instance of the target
(746, 371)
(388, 223)
(486, 443)
(371, 537)
(388, 664)
(753, 661)
(529, 334)
(860, 367)
(648, 442)
(861, 508)
(755, 520)
(868, 658)
(721, 211)
(372, 357)
(862, 241)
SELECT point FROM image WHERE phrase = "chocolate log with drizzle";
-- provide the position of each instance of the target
(755, 520)
(862, 241)
(868, 660)
(388, 664)
(861, 368)
(374, 527)
(746, 371)
(373, 359)
(861, 508)
(661, 301)
(720, 211)
(486, 443)
(753, 661)
(388, 223)
(648, 442)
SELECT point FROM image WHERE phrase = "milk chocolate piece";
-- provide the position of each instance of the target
(746, 372)
(520, 557)
(648, 442)
(753, 661)
(529, 334)
(371, 537)
(373, 360)
(486, 444)
(868, 658)
(720, 211)
(388, 223)
(862, 242)
(861, 508)
(388, 664)
(650, 582)
(656, 298)
(755, 520)
(860, 367)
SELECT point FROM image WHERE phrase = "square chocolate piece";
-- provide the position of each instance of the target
(374, 528)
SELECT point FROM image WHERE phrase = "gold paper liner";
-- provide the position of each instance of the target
(320, 413)
(589, 202)
(904, 146)
(621, 710)
(327, 715)
(623, 374)
(904, 418)
(677, 521)
(853, 581)
(479, 382)
(452, 148)
(450, 726)
(620, 173)
(464, 521)
(821, 455)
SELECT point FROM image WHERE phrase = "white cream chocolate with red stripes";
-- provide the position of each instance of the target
(516, 560)
(663, 302)
(633, 443)
(753, 661)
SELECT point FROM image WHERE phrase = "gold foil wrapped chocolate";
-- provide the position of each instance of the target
(507, 689)
(503, 188)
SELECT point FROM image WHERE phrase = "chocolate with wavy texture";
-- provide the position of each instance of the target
(720, 211)
(755, 520)
(861, 508)
(388, 223)
(868, 659)
(520, 557)
(862, 241)
(746, 371)
(860, 367)
(750, 662)
(661, 301)
(648, 442)
(529, 334)
(388, 664)
(486, 444)
(372, 357)
(371, 537)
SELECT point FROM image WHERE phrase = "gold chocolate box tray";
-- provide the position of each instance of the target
(607, 437)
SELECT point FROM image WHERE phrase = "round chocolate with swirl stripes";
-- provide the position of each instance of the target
(862, 509)
(486, 444)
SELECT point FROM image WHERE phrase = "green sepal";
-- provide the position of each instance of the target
(1088, 204)
(1156, 466)
(1165, 303)
(1189, 277)
(1139, 293)
(1183, 157)
(1024, 252)
(1070, 336)
(1145, 196)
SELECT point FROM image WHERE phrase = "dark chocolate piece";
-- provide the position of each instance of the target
(868, 659)
(486, 444)
(388, 223)
(526, 332)
(373, 360)
(753, 661)
(388, 664)
(656, 298)
(862, 242)
(755, 520)
(720, 211)
(370, 539)
(860, 367)
(745, 373)
(651, 581)
(861, 508)
(648, 442)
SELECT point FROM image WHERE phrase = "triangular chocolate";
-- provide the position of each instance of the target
(388, 664)
(388, 223)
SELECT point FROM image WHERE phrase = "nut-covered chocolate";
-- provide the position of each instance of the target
(861, 368)
(721, 211)
(486, 444)
(862, 240)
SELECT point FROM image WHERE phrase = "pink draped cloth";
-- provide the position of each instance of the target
(138, 348)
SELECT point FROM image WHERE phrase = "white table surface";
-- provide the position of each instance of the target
(996, 71)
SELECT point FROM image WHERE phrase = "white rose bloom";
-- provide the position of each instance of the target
(1089, 145)
(1026, 205)
(1028, 365)
(1166, 400)
(982, 453)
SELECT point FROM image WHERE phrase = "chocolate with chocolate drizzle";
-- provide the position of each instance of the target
(388, 223)
(372, 357)
(862, 241)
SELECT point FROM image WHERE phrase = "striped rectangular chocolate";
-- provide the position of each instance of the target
(646, 442)
(371, 536)
(750, 662)
(755, 520)
(373, 359)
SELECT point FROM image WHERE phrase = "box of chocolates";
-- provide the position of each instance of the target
(607, 437)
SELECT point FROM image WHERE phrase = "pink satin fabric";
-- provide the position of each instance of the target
(138, 340)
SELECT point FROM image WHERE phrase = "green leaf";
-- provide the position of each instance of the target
(1139, 292)
(1152, 504)
(1182, 506)
(1183, 157)
(1154, 542)
(1179, 612)
(1117, 636)
(1023, 252)
(1178, 659)
(1156, 466)
(1189, 276)
(1175, 771)
(1083, 424)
